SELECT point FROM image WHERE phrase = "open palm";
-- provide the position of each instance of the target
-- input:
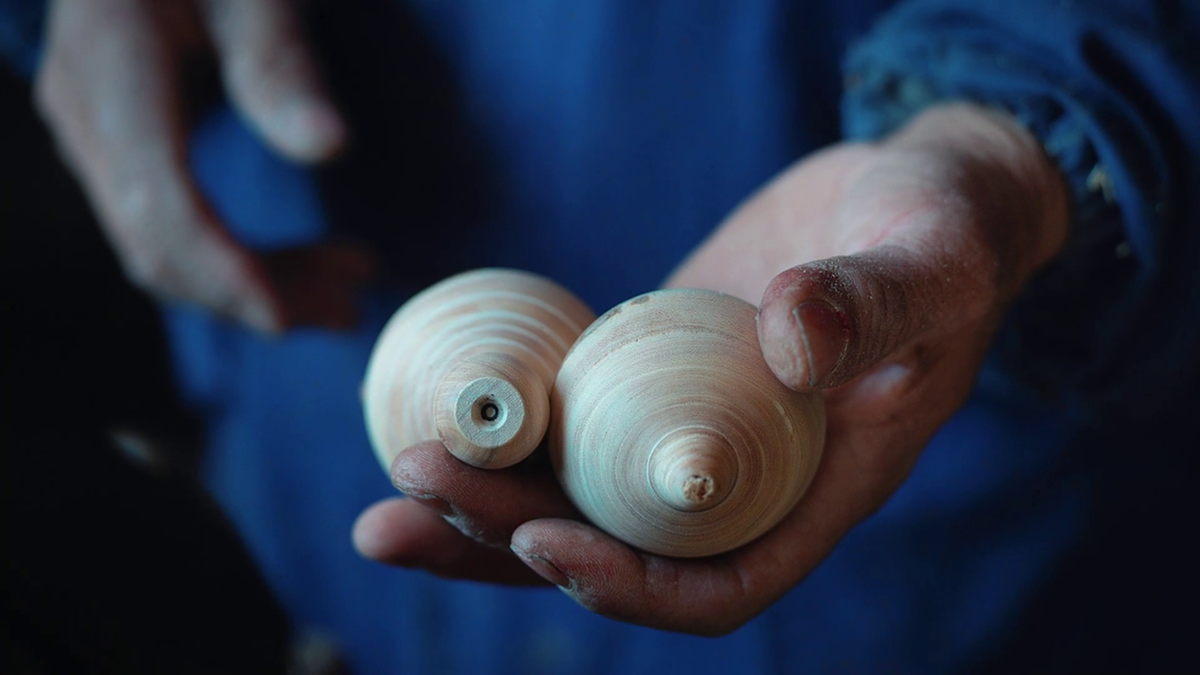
(883, 271)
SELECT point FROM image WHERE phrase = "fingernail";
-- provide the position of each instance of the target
(434, 502)
(824, 338)
(545, 568)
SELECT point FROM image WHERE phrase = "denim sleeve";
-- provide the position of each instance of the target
(21, 34)
(1112, 89)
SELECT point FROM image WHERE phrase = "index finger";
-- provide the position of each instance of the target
(704, 596)
(485, 504)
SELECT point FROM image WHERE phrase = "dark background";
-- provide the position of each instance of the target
(112, 560)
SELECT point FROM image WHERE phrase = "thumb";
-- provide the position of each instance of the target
(272, 78)
(824, 323)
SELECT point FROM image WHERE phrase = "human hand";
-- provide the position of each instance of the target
(911, 251)
(110, 89)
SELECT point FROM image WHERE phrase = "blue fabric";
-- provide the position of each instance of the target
(597, 142)
(20, 34)
(1112, 88)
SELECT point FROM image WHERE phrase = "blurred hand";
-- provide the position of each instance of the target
(911, 251)
(110, 88)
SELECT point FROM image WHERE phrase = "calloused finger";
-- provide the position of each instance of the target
(951, 236)
(705, 596)
(824, 323)
(486, 505)
(403, 533)
(714, 595)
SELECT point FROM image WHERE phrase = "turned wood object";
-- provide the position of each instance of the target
(471, 361)
(670, 432)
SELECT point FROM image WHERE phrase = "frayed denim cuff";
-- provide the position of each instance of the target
(1068, 336)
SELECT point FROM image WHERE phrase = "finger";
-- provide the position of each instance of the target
(403, 533)
(272, 78)
(715, 595)
(487, 505)
(824, 323)
(706, 596)
(109, 91)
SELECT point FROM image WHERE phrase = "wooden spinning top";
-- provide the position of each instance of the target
(471, 361)
(670, 432)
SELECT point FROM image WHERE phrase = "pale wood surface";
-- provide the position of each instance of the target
(499, 336)
(669, 431)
